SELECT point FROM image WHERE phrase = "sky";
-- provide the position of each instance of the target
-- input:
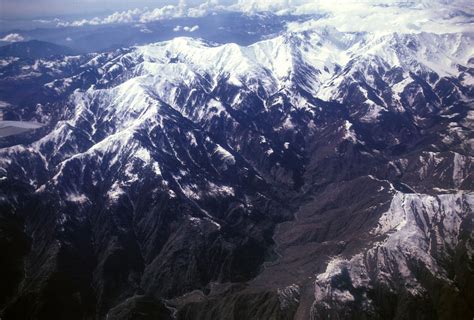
(49, 8)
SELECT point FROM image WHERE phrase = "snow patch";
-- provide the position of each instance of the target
(416, 227)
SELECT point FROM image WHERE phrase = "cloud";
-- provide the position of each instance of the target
(166, 12)
(13, 37)
(128, 16)
(356, 15)
(438, 16)
(182, 9)
(186, 28)
(191, 29)
(48, 8)
(145, 30)
(137, 16)
(68, 39)
(42, 21)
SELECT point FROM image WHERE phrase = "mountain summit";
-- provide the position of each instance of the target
(319, 173)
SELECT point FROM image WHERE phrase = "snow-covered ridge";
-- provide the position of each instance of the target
(323, 56)
(419, 231)
(184, 72)
(197, 132)
(275, 62)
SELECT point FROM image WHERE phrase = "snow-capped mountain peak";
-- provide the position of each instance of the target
(322, 171)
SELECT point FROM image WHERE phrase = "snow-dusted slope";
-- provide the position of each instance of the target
(371, 72)
(321, 62)
(276, 60)
(190, 153)
(419, 235)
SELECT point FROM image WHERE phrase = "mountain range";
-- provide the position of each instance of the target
(315, 174)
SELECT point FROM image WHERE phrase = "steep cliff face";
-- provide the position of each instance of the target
(316, 173)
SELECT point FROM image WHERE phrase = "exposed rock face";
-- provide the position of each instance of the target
(423, 237)
(311, 175)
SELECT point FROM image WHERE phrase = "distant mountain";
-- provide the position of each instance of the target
(34, 49)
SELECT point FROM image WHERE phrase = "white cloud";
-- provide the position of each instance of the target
(191, 29)
(186, 28)
(148, 15)
(13, 37)
(42, 21)
(166, 12)
(128, 16)
(346, 15)
(68, 39)
(386, 16)
(145, 30)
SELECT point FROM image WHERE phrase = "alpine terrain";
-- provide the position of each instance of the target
(325, 171)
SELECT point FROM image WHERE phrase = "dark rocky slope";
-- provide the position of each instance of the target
(163, 189)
